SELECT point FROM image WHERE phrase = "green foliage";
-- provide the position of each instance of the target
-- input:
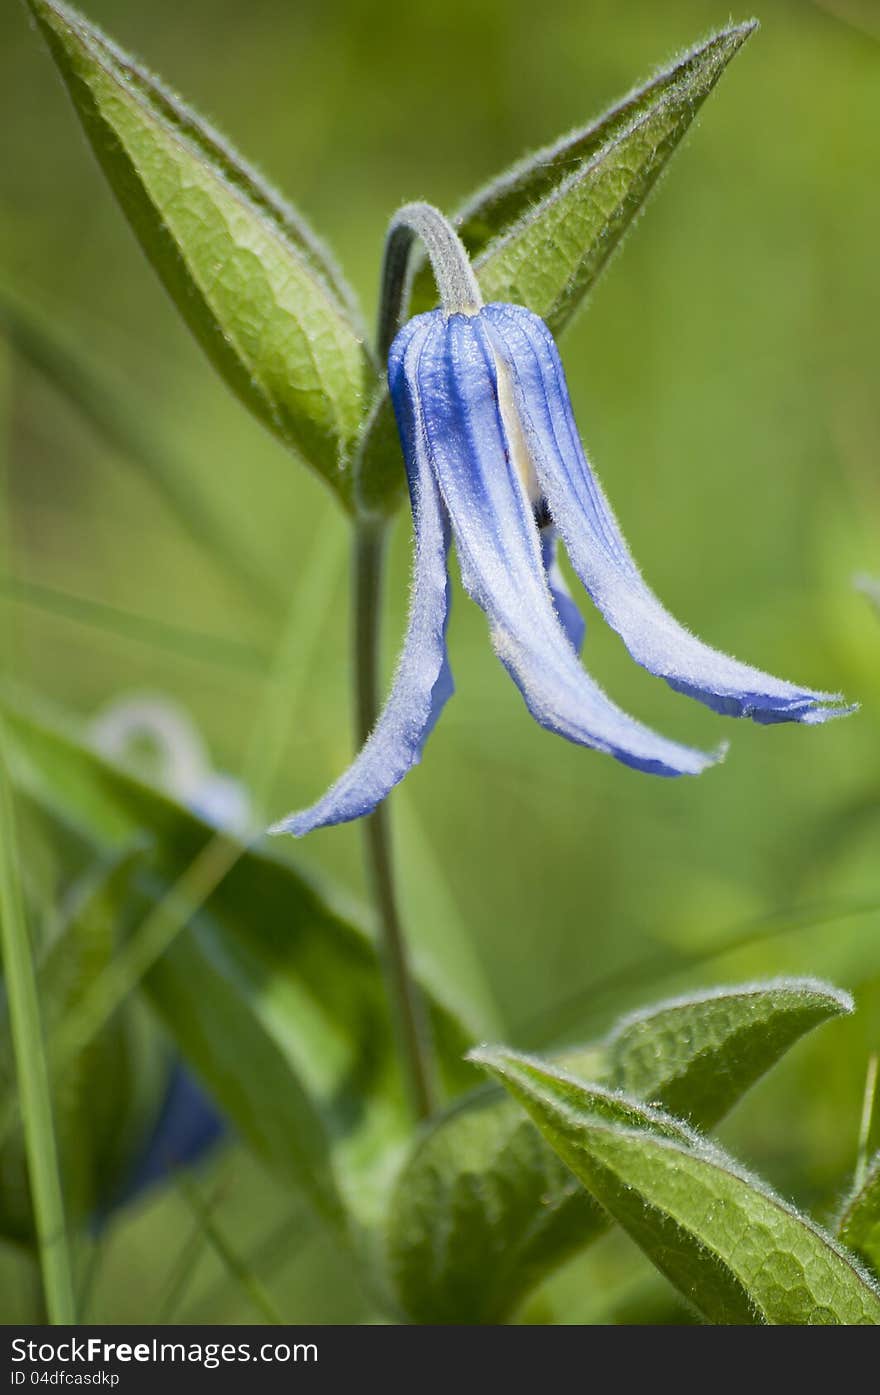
(270, 989)
(484, 1209)
(542, 232)
(733, 1248)
(274, 996)
(697, 1056)
(252, 282)
(261, 294)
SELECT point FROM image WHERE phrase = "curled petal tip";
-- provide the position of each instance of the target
(810, 709)
(692, 761)
(836, 707)
(768, 708)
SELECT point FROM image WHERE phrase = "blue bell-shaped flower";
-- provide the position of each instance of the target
(495, 463)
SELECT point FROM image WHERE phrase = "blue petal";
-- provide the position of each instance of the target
(599, 552)
(570, 617)
(423, 682)
(499, 550)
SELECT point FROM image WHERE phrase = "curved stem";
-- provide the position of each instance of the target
(407, 1009)
(453, 273)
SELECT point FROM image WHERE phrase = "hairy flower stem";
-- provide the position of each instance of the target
(453, 273)
(407, 1009)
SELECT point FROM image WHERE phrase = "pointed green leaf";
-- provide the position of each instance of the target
(698, 1055)
(253, 284)
(732, 1248)
(601, 172)
(542, 233)
(275, 997)
(482, 1181)
(859, 1226)
(576, 208)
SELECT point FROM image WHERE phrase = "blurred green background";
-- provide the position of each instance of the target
(724, 376)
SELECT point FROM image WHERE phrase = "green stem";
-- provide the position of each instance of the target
(405, 1000)
(31, 1070)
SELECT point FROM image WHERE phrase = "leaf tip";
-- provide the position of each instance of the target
(739, 32)
(485, 1055)
(838, 1002)
(512, 1068)
(45, 11)
(804, 990)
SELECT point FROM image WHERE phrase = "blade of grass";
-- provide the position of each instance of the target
(184, 1267)
(88, 1278)
(32, 1072)
(860, 18)
(246, 1280)
(266, 1256)
(140, 629)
